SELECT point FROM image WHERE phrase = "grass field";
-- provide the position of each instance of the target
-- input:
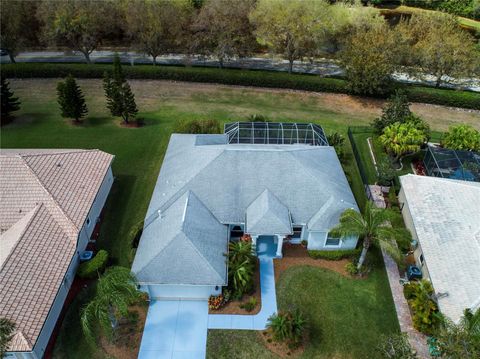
(139, 151)
(346, 316)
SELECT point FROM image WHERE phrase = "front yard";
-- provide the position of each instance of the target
(347, 315)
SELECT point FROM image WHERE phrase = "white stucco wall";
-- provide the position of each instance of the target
(163, 291)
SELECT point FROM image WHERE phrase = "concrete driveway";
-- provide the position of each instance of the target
(175, 329)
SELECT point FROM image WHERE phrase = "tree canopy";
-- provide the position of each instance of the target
(462, 137)
(402, 138)
(71, 99)
(10, 103)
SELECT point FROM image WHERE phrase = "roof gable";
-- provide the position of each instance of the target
(267, 215)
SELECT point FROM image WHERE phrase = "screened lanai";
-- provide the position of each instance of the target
(453, 164)
(275, 133)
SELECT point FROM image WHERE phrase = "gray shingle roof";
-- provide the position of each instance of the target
(296, 181)
(185, 244)
(267, 215)
(446, 217)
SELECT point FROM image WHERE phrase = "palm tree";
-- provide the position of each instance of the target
(7, 328)
(239, 252)
(374, 225)
(116, 291)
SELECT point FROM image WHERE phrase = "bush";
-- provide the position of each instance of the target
(269, 79)
(258, 118)
(426, 317)
(288, 326)
(215, 302)
(351, 268)
(93, 267)
(198, 126)
(334, 255)
(250, 304)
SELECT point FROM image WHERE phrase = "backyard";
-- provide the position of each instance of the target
(138, 157)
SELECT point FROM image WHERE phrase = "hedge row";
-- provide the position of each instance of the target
(334, 255)
(269, 79)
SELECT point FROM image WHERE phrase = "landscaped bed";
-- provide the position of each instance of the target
(345, 316)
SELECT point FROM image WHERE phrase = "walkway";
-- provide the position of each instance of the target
(175, 329)
(417, 340)
(266, 252)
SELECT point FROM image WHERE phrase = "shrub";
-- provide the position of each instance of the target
(288, 326)
(250, 304)
(351, 268)
(198, 126)
(396, 346)
(95, 266)
(215, 302)
(426, 317)
(446, 97)
(462, 137)
(396, 109)
(241, 267)
(334, 255)
(258, 118)
(386, 172)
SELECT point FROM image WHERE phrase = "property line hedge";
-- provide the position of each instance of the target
(334, 255)
(270, 79)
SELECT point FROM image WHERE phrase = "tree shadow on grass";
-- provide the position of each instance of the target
(93, 121)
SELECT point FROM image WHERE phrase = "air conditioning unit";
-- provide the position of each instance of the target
(414, 244)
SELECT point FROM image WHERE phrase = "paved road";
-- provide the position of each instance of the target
(323, 67)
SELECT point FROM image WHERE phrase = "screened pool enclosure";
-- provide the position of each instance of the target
(453, 164)
(275, 133)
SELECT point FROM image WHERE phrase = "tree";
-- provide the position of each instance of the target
(460, 340)
(370, 56)
(120, 98)
(9, 102)
(14, 16)
(81, 25)
(157, 26)
(462, 137)
(439, 47)
(71, 100)
(116, 291)
(396, 109)
(290, 27)
(396, 346)
(402, 138)
(222, 29)
(375, 229)
(7, 330)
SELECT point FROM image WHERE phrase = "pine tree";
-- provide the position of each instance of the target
(71, 99)
(9, 102)
(120, 98)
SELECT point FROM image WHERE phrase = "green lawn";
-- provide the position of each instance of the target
(139, 153)
(346, 316)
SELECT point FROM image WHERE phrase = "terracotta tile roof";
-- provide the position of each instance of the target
(55, 191)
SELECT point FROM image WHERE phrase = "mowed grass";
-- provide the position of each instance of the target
(139, 151)
(346, 316)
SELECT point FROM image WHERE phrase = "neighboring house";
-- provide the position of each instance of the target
(49, 204)
(211, 190)
(443, 216)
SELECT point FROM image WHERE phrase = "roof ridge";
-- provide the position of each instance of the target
(73, 150)
(24, 229)
(50, 196)
(200, 254)
(181, 191)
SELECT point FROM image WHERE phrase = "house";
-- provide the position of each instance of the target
(443, 216)
(50, 201)
(214, 188)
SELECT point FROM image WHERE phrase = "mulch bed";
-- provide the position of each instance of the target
(233, 307)
(281, 348)
(296, 254)
(128, 336)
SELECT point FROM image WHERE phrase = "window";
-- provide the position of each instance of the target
(332, 240)
(236, 232)
(297, 232)
(88, 221)
(422, 260)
